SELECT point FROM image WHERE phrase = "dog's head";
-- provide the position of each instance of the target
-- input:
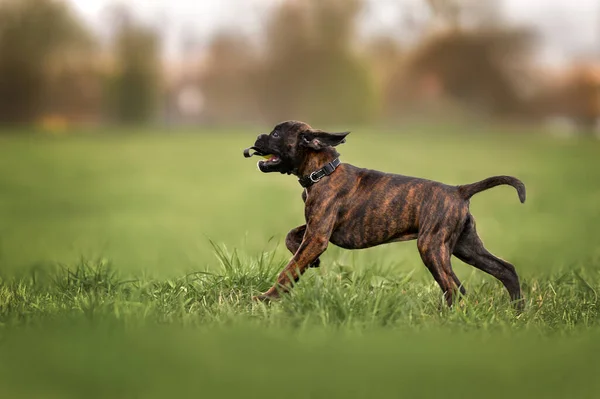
(291, 144)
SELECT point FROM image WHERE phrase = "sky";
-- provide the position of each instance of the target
(566, 28)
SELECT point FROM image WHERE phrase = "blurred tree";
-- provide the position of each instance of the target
(75, 91)
(135, 86)
(474, 68)
(583, 92)
(311, 71)
(33, 34)
(468, 58)
(229, 81)
(386, 57)
(305, 68)
(574, 95)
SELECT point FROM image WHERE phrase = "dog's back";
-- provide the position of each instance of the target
(388, 207)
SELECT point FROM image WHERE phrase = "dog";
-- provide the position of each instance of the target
(357, 208)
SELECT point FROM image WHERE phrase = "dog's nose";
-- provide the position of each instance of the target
(261, 138)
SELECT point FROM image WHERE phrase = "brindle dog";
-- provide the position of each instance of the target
(357, 208)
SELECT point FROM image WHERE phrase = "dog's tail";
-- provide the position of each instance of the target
(469, 190)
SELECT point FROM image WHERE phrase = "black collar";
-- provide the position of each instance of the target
(309, 180)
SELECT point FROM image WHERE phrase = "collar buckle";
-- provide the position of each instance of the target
(314, 177)
(317, 175)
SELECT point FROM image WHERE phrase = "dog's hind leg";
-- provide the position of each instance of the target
(470, 249)
(436, 256)
(294, 239)
(437, 237)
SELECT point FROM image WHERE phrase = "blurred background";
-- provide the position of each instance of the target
(73, 63)
(141, 110)
(122, 126)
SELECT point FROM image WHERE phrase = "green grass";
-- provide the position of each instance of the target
(110, 285)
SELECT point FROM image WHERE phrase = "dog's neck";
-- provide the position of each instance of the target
(316, 160)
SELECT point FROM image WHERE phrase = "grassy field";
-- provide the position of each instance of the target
(127, 263)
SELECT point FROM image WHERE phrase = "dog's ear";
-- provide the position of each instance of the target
(318, 139)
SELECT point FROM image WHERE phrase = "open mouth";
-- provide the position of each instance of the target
(270, 160)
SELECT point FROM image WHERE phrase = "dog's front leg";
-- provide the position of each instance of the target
(310, 249)
(294, 239)
(313, 245)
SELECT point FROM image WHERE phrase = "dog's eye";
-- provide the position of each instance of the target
(275, 135)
